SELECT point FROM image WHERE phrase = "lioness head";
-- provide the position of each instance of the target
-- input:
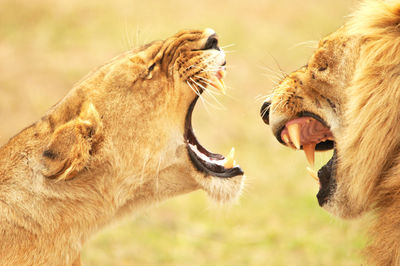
(131, 119)
(346, 99)
(122, 138)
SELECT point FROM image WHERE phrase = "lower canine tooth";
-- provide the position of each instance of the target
(230, 161)
(309, 150)
(313, 173)
(220, 85)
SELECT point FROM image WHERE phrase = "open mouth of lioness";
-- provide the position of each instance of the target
(212, 164)
(310, 133)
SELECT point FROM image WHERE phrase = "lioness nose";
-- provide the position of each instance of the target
(265, 112)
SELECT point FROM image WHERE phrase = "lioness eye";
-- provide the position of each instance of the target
(152, 67)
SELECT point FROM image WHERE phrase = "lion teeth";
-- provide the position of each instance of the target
(286, 139)
(230, 159)
(294, 134)
(309, 150)
(313, 173)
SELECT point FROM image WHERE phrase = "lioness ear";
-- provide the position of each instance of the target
(71, 145)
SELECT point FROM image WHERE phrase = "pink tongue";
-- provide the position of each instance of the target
(311, 130)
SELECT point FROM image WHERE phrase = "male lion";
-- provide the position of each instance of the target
(122, 138)
(347, 98)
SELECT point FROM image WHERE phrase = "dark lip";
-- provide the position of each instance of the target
(326, 176)
(322, 146)
(201, 165)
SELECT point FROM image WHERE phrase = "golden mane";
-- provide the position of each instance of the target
(371, 134)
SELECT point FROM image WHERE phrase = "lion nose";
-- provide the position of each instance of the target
(265, 112)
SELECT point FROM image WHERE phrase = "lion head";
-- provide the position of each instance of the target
(345, 98)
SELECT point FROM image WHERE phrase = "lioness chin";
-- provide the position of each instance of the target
(121, 139)
(347, 98)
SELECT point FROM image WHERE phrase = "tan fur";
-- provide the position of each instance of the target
(114, 144)
(358, 95)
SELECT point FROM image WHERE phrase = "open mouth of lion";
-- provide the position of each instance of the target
(310, 133)
(213, 164)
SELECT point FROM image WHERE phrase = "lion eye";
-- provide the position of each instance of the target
(323, 68)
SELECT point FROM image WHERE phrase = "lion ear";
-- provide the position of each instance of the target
(72, 144)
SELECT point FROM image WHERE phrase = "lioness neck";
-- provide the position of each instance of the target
(35, 209)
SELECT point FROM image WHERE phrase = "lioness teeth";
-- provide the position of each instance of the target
(313, 173)
(294, 134)
(221, 74)
(309, 150)
(222, 87)
(230, 159)
(219, 84)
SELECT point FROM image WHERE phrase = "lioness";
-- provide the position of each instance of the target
(121, 139)
(347, 98)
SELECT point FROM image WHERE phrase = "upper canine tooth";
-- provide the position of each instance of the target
(221, 74)
(285, 138)
(294, 134)
(309, 150)
(219, 84)
(230, 159)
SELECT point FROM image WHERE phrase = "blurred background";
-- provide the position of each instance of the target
(46, 46)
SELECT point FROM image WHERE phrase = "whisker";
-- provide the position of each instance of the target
(206, 91)
(201, 98)
(310, 44)
(284, 73)
(262, 97)
(137, 35)
(194, 89)
(279, 74)
(210, 82)
(211, 85)
(219, 106)
(227, 46)
(126, 36)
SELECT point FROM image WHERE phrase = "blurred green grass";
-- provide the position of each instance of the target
(46, 46)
